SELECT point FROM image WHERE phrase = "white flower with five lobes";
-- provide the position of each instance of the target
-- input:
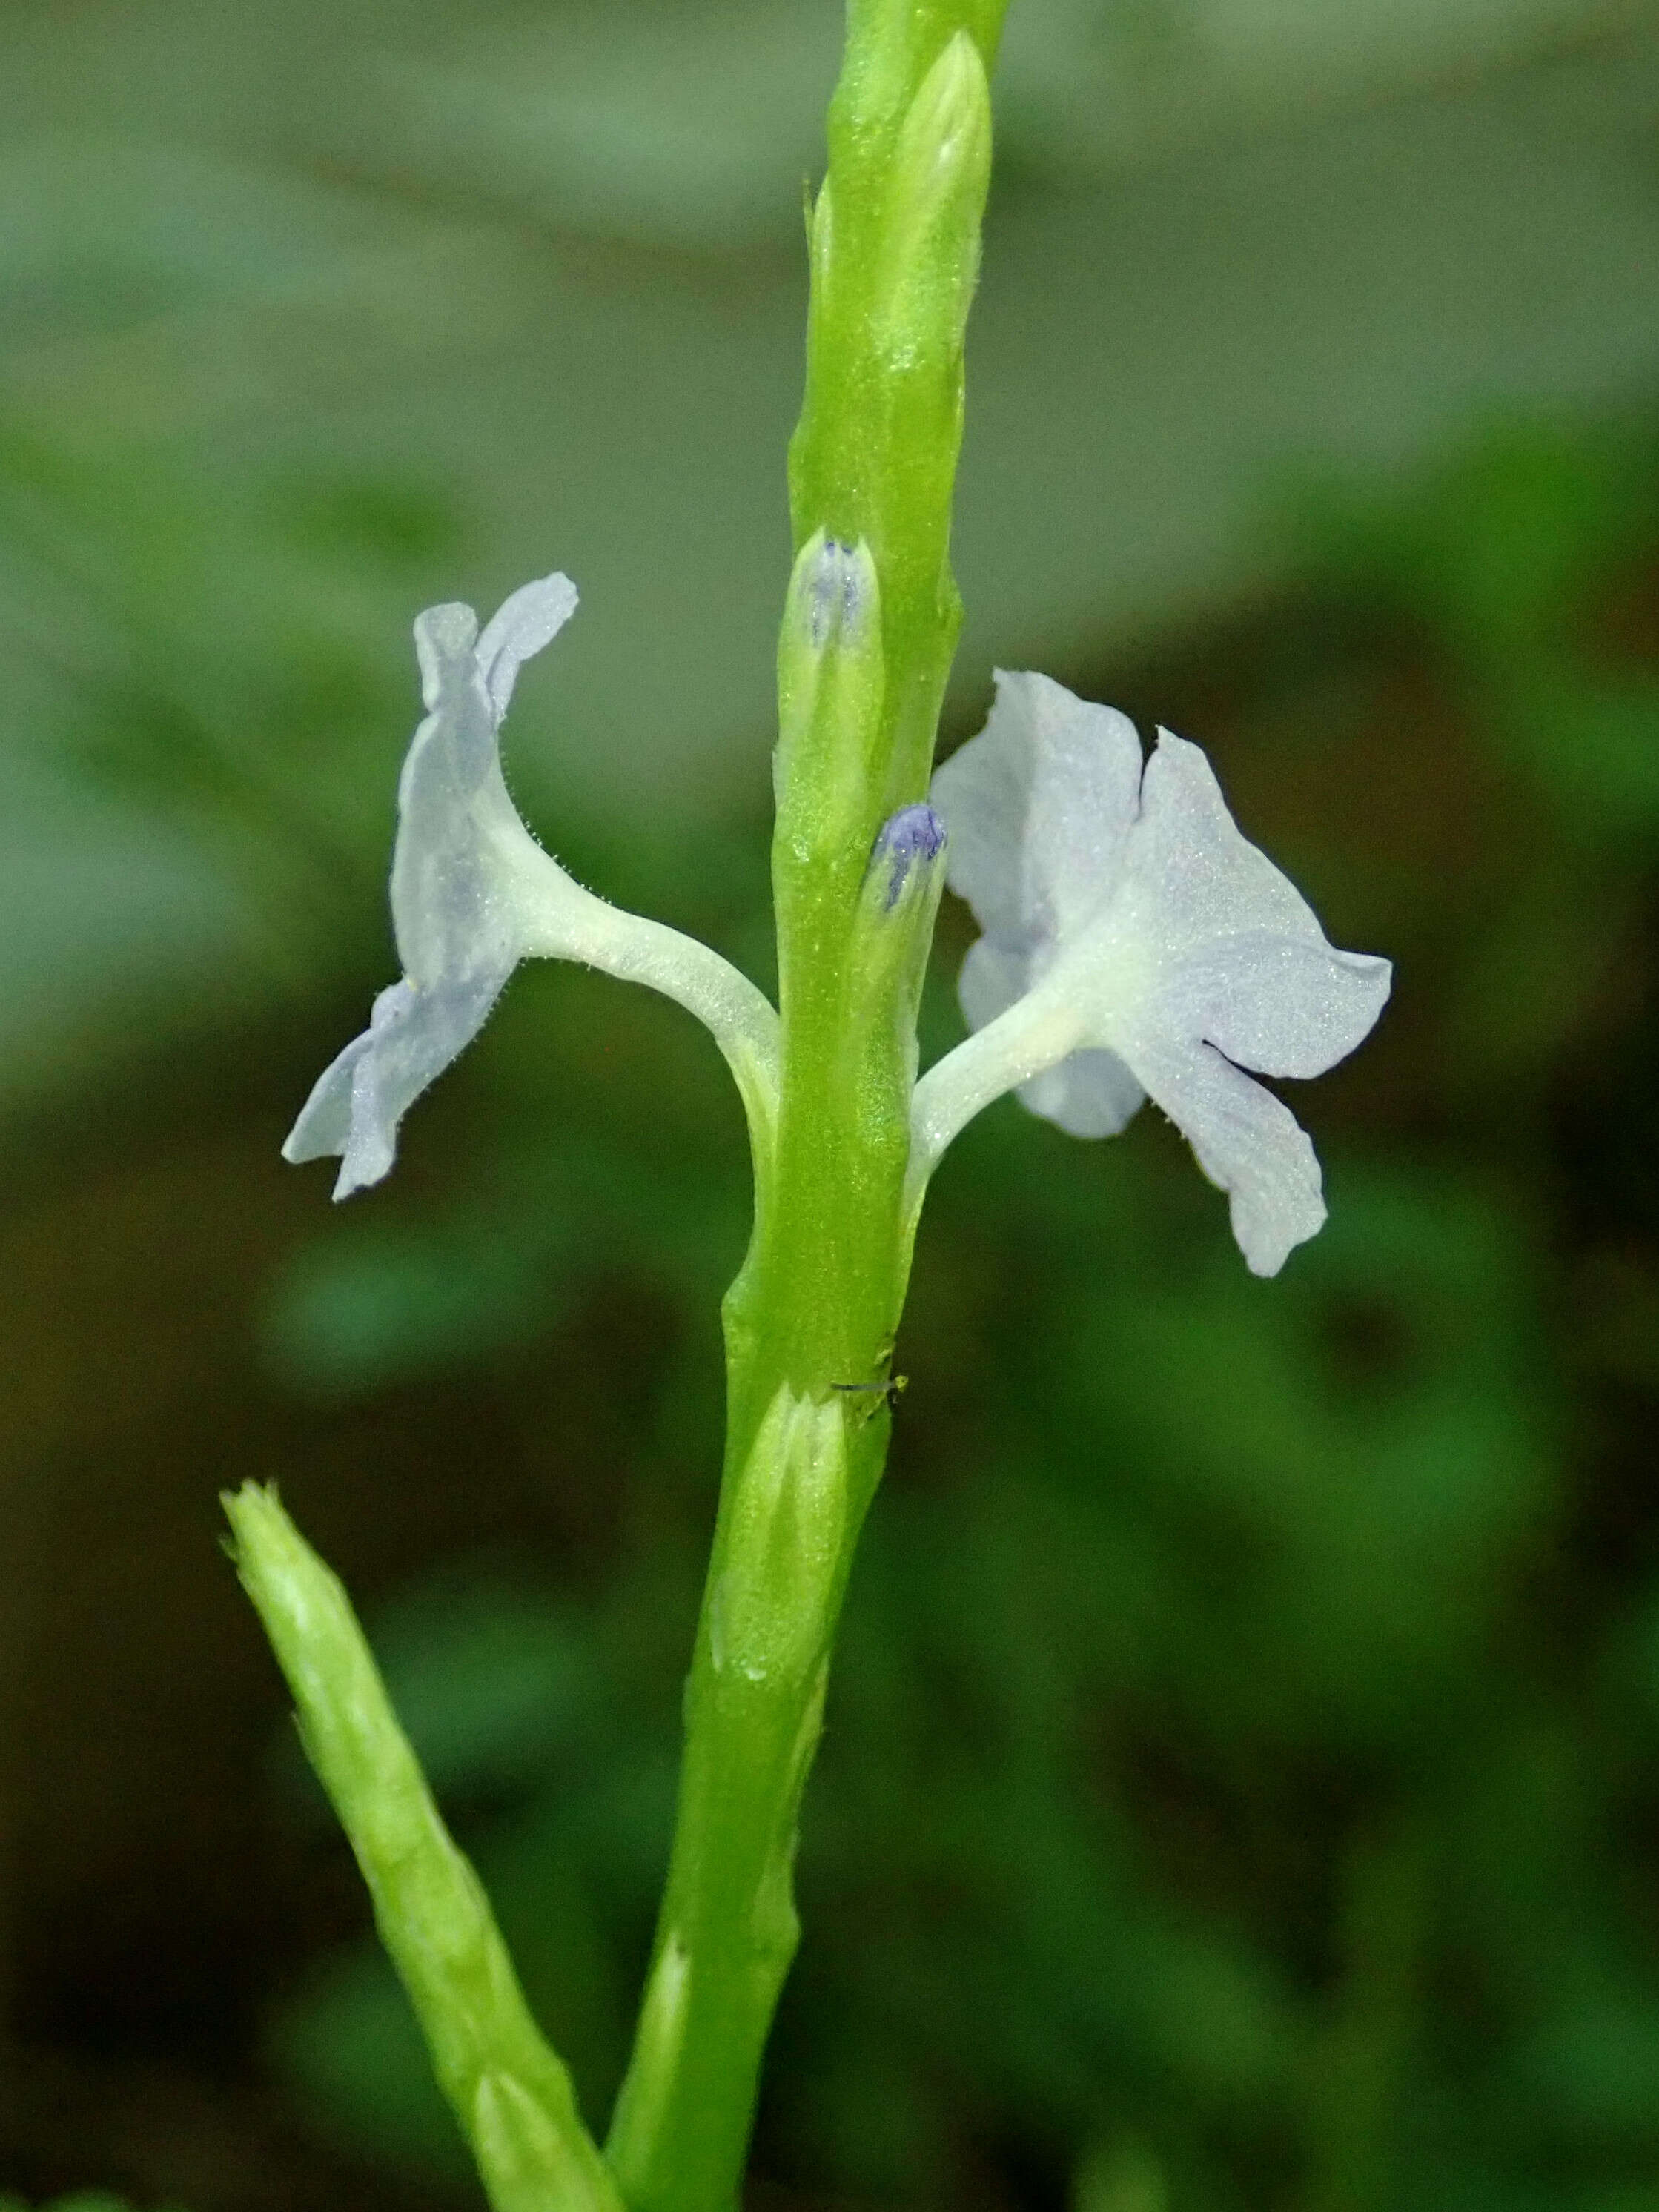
(1135, 943)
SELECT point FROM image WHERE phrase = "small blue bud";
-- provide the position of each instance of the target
(836, 593)
(832, 680)
(893, 924)
(915, 834)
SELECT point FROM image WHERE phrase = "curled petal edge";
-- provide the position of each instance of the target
(1246, 1140)
(1247, 1143)
(417, 1030)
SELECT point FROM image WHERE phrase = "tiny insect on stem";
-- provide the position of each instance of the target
(886, 1387)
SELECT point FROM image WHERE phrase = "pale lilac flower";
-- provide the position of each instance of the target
(473, 894)
(1135, 943)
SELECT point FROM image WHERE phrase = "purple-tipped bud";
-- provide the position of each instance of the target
(914, 837)
(836, 594)
(893, 922)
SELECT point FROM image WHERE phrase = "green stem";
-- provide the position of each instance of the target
(868, 636)
(895, 238)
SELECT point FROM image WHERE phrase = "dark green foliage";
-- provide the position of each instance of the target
(82, 2200)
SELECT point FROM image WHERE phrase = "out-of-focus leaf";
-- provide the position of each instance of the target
(1090, 85)
(79, 2200)
(371, 1309)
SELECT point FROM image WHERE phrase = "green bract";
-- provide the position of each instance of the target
(510, 2094)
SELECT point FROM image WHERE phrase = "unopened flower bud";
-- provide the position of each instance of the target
(903, 858)
(893, 925)
(830, 679)
(941, 170)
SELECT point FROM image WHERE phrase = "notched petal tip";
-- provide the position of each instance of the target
(332, 1126)
(1191, 869)
(451, 648)
(323, 1123)
(470, 885)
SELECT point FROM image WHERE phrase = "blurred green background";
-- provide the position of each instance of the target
(1242, 1788)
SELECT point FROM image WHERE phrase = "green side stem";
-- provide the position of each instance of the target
(511, 2094)
(809, 1322)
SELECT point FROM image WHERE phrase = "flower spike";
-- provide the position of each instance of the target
(473, 894)
(1135, 943)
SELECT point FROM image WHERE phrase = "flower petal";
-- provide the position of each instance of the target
(1245, 1140)
(360, 1099)
(991, 978)
(1134, 936)
(1190, 875)
(1089, 1094)
(1039, 805)
(470, 888)
(1279, 1005)
(525, 621)
(465, 870)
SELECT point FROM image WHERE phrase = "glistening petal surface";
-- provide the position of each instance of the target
(360, 1099)
(1279, 1005)
(1039, 805)
(1189, 872)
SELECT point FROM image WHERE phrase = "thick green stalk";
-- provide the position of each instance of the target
(868, 633)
